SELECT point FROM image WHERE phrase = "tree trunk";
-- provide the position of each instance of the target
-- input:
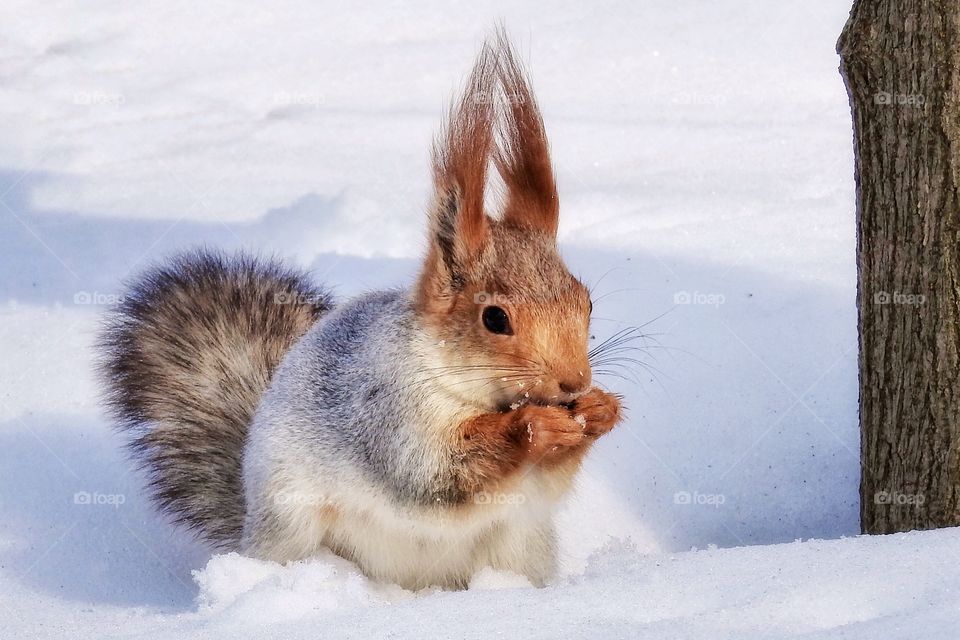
(900, 60)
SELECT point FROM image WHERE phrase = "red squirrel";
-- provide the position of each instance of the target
(421, 432)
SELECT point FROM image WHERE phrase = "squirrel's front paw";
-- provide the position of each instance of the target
(597, 410)
(548, 431)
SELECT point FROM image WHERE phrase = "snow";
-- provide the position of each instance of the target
(886, 586)
(704, 162)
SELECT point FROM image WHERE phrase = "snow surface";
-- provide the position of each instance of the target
(704, 162)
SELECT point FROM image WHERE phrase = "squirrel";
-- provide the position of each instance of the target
(423, 432)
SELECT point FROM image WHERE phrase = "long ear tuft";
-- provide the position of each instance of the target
(460, 158)
(522, 154)
(496, 119)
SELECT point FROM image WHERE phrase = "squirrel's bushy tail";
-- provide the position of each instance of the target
(186, 356)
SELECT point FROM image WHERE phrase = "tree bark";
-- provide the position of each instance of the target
(900, 60)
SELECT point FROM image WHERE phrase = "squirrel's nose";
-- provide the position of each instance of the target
(576, 384)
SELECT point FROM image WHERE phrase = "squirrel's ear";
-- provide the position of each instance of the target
(522, 156)
(459, 226)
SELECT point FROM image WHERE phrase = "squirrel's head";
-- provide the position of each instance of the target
(512, 322)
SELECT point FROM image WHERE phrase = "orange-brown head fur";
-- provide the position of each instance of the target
(479, 267)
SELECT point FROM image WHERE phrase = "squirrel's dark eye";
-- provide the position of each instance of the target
(496, 320)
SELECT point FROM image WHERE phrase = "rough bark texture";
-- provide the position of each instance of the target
(900, 60)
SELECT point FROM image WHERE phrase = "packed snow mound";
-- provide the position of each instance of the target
(250, 591)
(253, 591)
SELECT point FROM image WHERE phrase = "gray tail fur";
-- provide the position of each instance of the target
(186, 358)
